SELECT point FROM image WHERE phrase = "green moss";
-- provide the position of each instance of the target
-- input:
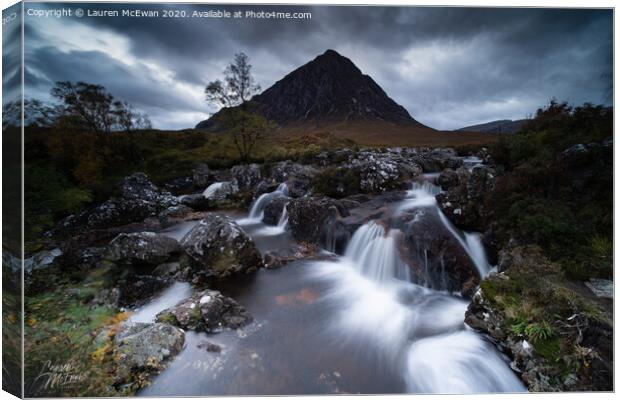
(59, 330)
(336, 182)
(168, 318)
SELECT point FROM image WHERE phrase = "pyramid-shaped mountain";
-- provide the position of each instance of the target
(329, 89)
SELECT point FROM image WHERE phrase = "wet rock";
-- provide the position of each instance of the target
(218, 246)
(145, 347)
(208, 311)
(298, 177)
(448, 179)
(174, 214)
(202, 176)
(273, 210)
(138, 289)
(309, 216)
(221, 191)
(279, 258)
(246, 177)
(437, 160)
(210, 346)
(435, 255)
(143, 250)
(481, 317)
(464, 203)
(265, 187)
(197, 202)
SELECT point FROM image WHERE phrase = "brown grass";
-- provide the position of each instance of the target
(378, 133)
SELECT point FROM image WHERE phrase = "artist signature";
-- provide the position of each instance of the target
(53, 376)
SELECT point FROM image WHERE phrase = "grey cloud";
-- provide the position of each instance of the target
(519, 58)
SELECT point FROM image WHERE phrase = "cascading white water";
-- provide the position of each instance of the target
(373, 251)
(213, 189)
(471, 244)
(258, 207)
(457, 363)
(412, 326)
(422, 194)
(283, 221)
(169, 297)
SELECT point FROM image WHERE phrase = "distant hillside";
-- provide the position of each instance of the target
(500, 126)
(329, 89)
(331, 96)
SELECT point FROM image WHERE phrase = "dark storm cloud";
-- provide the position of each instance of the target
(449, 67)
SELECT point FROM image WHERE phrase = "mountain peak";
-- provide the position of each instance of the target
(330, 88)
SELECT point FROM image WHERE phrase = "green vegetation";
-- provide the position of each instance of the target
(559, 199)
(336, 182)
(237, 119)
(68, 341)
(535, 303)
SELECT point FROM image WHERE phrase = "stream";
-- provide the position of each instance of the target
(353, 324)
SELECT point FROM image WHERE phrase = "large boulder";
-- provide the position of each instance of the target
(448, 178)
(140, 200)
(436, 257)
(220, 191)
(464, 201)
(197, 202)
(219, 247)
(146, 347)
(437, 160)
(246, 177)
(139, 187)
(142, 250)
(273, 210)
(138, 289)
(208, 311)
(298, 177)
(309, 218)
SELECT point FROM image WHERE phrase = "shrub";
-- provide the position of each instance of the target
(336, 182)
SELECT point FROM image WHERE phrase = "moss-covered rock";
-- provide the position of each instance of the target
(558, 337)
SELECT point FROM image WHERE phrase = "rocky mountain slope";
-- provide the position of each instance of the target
(328, 89)
(499, 126)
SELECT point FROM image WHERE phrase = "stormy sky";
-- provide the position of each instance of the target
(449, 67)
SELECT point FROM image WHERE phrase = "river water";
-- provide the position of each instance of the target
(354, 324)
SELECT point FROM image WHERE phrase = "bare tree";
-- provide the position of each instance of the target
(89, 106)
(234, 95)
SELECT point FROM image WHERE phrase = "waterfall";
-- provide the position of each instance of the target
(418, 330)
(374, 253)
(283, 221)
(471, 244)
(256, 211)
(212, 190)
(457, 363)
(421, 194)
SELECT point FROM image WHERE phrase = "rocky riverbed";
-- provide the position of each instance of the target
(366, 271)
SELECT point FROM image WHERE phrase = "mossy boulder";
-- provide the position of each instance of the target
(208, 311)
(219, 247)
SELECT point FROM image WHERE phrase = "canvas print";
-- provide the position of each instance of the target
(293, 199)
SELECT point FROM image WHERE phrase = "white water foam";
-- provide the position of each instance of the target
(169, 297)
